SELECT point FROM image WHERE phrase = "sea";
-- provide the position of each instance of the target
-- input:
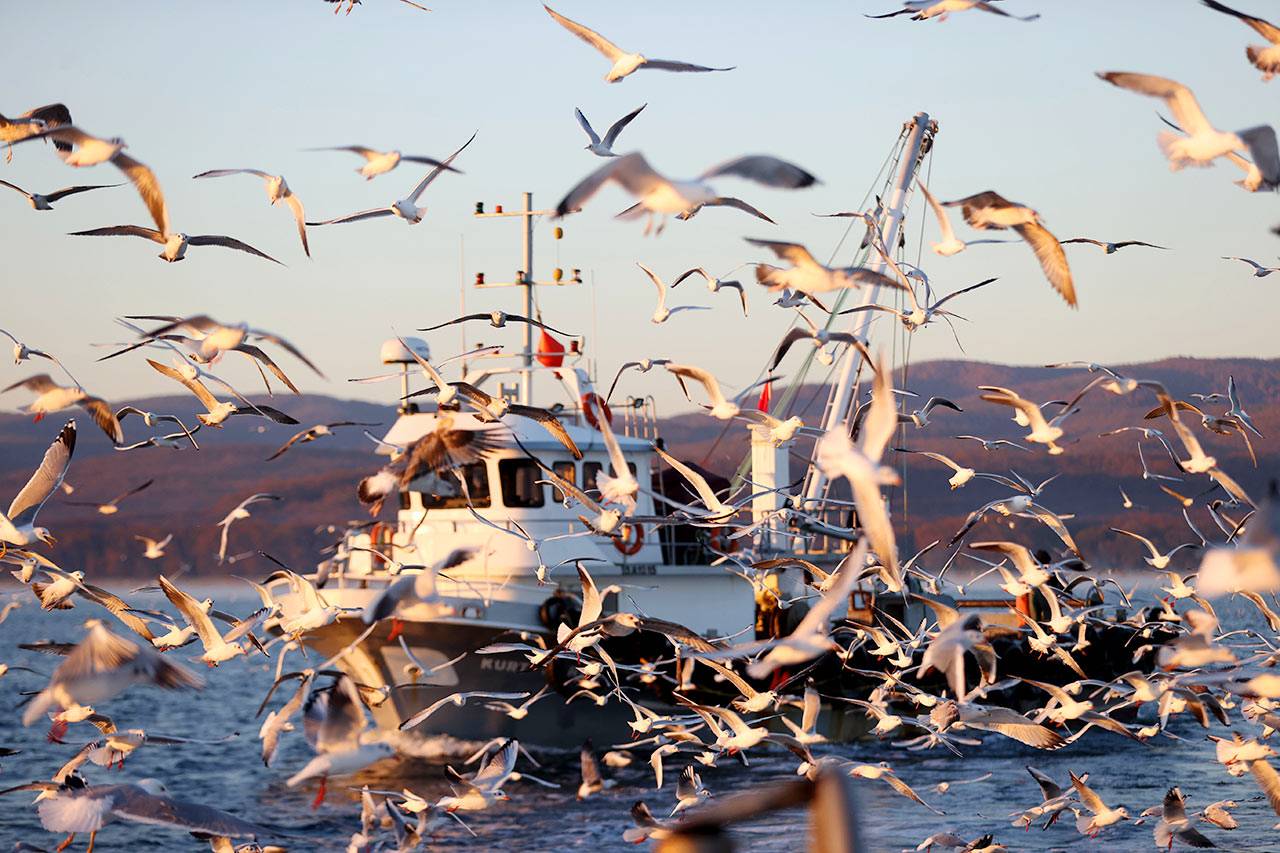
(230, 775)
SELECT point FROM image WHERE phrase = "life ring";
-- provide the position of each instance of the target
(592, 401)
(382, 535)
(630, 540)
(721, 542)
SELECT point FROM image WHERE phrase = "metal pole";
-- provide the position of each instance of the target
(844, 391)
(526, 378)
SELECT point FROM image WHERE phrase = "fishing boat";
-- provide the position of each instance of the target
(530, 541)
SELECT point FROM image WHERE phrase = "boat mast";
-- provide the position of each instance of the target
(525, 281)
(844, 390)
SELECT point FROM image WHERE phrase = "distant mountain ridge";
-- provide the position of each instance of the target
(193, 490)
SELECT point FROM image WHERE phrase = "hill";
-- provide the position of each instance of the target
(194, 489)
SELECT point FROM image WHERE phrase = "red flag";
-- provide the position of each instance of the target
(550, 352)
(766, 398)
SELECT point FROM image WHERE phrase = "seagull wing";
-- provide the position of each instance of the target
(195, 386)
(676, 65)
(611, 135)
(586, 126)
(1053, 260)
(550, 422)
(632, 171)
(948, 233)
(295, 204)
(434, 173)
(66, 191)
(372, 213)
(739, 204)
(228, 243)
(123, 231)
(1267, 30)
(693, 477)
(46, 479)
(144, 180)
(193, 613)
(1181, 102)
(763, 169)
(794, 253)
(591, 37)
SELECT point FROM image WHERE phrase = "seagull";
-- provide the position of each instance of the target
(485, 788)
(175, 245)
(919, 315)
(112, 506)
(624, 63)
(661, 313)
(217, 648)
(151, 419)
(1266, 58)
(381, 162)
(806, 275)
(644, 366)
(923, 10)
(52, 397)
(215, 337)
(1174, 823)
(493, 409)
(689, 791)
(820, 337)
(950, 244)
(920, 417)
(962, 474)
(217, 411)
(1203, 143)
(240, 512)
(154, 548)
(592, 781)
(17, 526)
(100, 667)
(312, 433)
(861, 465)
(457, 700)
(884, 772)
(414, 587)
(989, 210)
(604, 147)
(1102, 815)
(989, 444)
(1042, 431)
(90, 808)
(715, 284)
(499, 320)
(45, 201)
(33, 122)
(351, 4)
(1237, 411)
(1112, 248)
(1156, 560)
(658, 194)
(407, 207)
(1259, 271)
(277, 191)
(721, 407)
(22, 352)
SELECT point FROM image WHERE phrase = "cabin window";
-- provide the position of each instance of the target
(520, 483)
(591, 472)
(444, 491)
(566, 471)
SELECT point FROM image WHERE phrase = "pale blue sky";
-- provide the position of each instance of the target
(196, 86)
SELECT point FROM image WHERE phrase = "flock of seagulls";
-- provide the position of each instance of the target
(948, 683)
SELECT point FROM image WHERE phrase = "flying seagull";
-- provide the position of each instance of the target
(1112, 248)
(950, 243)
(17, 526)
(240, 512)
(52, 397)
(380, 162)
(1266, 58)
(604, 147)
(405, 208)
(217, 411)
(624, 63)
(923, 10)
(658, 194)
(33, 122)
(1203, 143)
(989, 210)
(112, 506)
(1259, 271)
(45, 201)
(806, 275)
(497, 319)
(277, 191)
(312, 433)
(175, 245)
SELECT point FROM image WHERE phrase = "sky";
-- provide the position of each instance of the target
(230, 84)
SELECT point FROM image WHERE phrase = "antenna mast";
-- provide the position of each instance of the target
(843, 393)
